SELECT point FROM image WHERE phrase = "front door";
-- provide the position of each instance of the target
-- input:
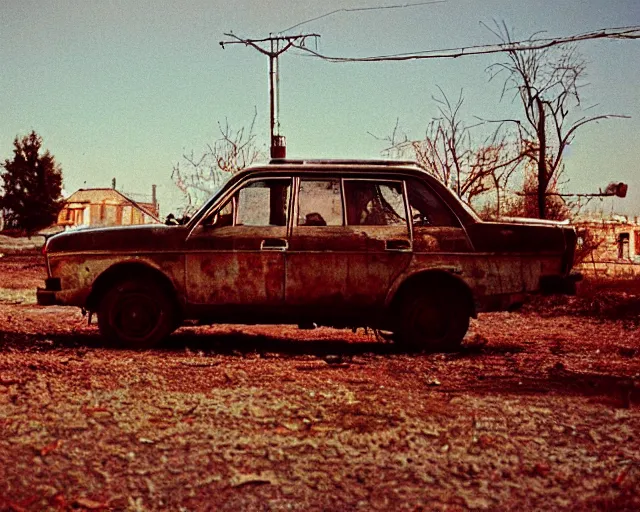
(235, 256)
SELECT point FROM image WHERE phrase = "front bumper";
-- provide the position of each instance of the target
(561, 285)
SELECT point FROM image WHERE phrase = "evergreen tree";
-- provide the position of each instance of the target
(32, 183)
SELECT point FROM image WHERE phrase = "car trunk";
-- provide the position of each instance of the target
(526, 236)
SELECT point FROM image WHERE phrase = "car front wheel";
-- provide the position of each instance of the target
(136, 314)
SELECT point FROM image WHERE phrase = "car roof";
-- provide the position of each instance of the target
(343, 161)
(341, 167)
(334, 164)
(346, 167)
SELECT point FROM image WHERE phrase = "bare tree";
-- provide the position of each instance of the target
(198, 177)
(447, 152)
(547, 81)
(500, 157)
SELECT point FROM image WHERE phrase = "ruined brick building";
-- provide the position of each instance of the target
(609, 247)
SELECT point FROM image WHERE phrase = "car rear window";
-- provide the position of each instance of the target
(374, 203)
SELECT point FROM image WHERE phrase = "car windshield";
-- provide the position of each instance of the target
(199, 194)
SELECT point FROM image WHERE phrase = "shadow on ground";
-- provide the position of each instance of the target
(239, 343)
(338, 353)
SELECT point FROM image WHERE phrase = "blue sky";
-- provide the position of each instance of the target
(122, 88)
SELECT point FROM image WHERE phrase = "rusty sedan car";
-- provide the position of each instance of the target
(335, 243)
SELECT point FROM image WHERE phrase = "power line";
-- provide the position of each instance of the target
(355, 9)
(632, 32)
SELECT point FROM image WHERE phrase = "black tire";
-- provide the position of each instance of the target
(435, 320)
(136, 313)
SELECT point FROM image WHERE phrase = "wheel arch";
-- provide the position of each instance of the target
(130, 270)
(436, 277)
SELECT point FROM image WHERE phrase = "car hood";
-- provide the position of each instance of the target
(139, 238)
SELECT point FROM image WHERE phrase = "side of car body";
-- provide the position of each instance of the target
(344, 244)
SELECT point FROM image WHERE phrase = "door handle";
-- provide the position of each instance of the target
(274, 244)
(398, 245)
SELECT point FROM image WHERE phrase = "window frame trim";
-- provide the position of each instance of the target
(443, 204)
(231, 194)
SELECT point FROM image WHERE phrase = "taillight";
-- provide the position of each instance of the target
(571, 239)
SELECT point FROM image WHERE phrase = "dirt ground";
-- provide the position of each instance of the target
(539, 411)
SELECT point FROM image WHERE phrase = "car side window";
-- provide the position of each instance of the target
(320, 203)
(374, 203)
(427, 209)
(264, 203)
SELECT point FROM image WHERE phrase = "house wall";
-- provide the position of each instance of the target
(618, 248)
(102, 213)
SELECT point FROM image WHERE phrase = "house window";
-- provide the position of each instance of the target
(637, 240)
(623, 246)
(127, 214)
(110, 215)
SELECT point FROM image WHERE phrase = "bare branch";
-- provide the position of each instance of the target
(548, 79)
(231, 152)
(447, 152)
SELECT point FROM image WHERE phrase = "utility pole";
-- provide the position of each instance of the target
(275, 46)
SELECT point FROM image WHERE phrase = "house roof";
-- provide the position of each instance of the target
(97, 195)
(110, 195)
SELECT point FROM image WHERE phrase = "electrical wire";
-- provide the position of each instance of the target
(631, 32)
(355, 9)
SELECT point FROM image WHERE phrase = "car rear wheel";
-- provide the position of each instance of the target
(435, 320)
(136, 314)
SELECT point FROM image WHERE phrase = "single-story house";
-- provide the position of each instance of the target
(105, 207)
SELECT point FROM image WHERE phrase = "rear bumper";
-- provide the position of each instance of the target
(47, 296)
(560, 285)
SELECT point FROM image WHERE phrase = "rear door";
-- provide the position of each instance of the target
(349, 241)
